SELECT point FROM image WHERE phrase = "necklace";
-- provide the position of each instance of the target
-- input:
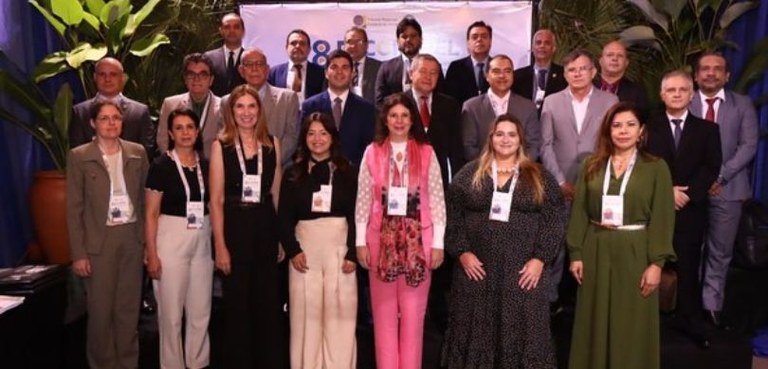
(505, 170)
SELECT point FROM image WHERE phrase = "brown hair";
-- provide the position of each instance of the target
(229, 133)
(416, 132)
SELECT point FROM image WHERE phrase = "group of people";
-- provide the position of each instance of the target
(389, 166)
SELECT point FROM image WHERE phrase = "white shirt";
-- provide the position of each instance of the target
(292, 74)
(682, 117)
(406, 70)
(580, 108)
(499, 104)
(720, 95)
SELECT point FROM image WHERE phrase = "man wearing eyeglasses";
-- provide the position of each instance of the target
(281, 105)
(570, 123)
(303, 77)
(364, 68)
(226, 59)
(137, 126)
(198, 78)
(479, 112)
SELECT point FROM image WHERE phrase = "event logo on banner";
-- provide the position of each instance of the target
(444, 26)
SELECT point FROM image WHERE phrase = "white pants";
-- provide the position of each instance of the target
(184, 288)
(323, 301)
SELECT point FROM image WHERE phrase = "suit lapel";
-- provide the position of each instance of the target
(695, 105)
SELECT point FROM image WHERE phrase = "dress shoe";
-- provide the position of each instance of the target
(713, 317)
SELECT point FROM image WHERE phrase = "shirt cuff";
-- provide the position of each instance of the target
(438, 236)
(360, 230)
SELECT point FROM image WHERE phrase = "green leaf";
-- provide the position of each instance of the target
(113, 11)
(69, 11)
(55, 23)
(735, 11)
(674, 7)
(652, 14)
(115, 35)
(755, 66)
(85, 52)
(92, 21)
(146, 45)
(50, 66)
(24, 95)
(637, 34)
(94, 6)
(136, 19)
(62, 112)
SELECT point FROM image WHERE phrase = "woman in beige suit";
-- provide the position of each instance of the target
(105, 211)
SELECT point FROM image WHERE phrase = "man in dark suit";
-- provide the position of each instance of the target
(543, 77)
(479, 112)
(303, 77)
(364, 69)
(353, 115)
(466, 76)
(439, 115)
(691, 148)
(736, 119)
(613, 64)
(137, 126)
(394, 75)
(226, 59)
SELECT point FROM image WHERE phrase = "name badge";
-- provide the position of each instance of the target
(251, 188)
(397, 201)
(195, 215)
(119, 209)
(501, 203)
(321, 200)
(613, 210)
(539, 97)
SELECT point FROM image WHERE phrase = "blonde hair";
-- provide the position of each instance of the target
(530, 172)
(230, 132)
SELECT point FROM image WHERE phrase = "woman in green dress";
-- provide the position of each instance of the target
(619, 237)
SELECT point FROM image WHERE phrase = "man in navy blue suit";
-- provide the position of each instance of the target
(466, 76)
(303, 77)
(353, 115)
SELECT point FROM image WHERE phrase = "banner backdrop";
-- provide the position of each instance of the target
(444, 26)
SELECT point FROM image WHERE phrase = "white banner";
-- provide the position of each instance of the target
(444, 26)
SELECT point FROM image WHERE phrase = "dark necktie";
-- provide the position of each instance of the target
(231, 72)
(479, 71)
(356, 74)
(297, 78)
(541, 79)
(678, 131)
(424, 112)
(337, 111)
(711, 109)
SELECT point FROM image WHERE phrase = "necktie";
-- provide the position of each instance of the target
(424, 112)
(337, 111)
(407, 71)
(231, 72)
(541, 79)
(711, 109)
(297, 78)
(678, 131)
(479, 69)
(356, 74)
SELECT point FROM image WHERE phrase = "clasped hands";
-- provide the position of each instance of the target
(530, 274)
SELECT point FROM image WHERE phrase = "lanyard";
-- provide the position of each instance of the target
(625, 180)
(494, 170)
(404, 170)
(204, 114)
(184, 178)
(241, 155)
(118, 172)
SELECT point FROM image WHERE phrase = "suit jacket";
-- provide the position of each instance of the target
(357, 122)
(281, 107)
(314, 79)
(460, 80)
(629, 91)
(390, 79)
(222, 83)
(137, 125)
(477, 118)
(696, 161)
(737, 121)
(563, 147)
(524, 80)
(212, 121)
(370, 71)
(444, 133)
(88, 193)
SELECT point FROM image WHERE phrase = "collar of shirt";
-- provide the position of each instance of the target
(117, 98)
(720, 95)
(227, 50)
(500, 104)
(682, 117)
(537, 68)
(343, 96)
(417, 96)
(610, 87)
(586, 98)
(484, 61)
(303, 67)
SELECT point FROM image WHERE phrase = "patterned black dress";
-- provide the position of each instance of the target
(493, 323)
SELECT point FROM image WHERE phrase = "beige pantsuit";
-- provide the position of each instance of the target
(184, 288)
(323, 301)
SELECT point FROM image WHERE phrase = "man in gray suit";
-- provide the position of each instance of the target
(226, 59)
(479, 112)
(364, 69)
(735, 116)
(281, 106)
(198, 78)
(137, 126)
(570, 123)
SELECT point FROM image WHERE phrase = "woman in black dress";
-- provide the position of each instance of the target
(245, 184)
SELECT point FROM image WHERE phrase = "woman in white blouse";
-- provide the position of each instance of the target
(400, 217)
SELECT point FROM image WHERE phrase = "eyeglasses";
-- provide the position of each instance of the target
(107, 119)
(581, 69)
(193, 75)
(253, 64)
(353, 41)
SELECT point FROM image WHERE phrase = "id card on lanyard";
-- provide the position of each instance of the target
(321, 200)
(119, 203)
(195, 209)
(613, 205)
(397, 196)
(501, 202)
(251, 182)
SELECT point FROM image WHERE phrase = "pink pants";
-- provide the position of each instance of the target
(398, 321)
